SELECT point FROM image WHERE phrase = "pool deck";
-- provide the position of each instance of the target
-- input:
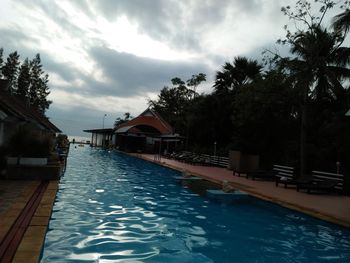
(24, 221)
(332, 208)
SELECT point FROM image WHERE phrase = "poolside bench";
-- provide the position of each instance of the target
(284, 175)
(279, 173)
(323, 182)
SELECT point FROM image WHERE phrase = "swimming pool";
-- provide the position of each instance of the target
(115, 208)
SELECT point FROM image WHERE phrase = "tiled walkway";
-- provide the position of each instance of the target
(333, 208)
(14, 195)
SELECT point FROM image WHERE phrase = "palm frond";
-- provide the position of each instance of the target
(341, 22)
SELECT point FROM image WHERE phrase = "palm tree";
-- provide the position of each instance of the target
(232, 76)
(341, 22)
(317, 71)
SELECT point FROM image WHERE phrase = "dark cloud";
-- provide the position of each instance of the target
(129, 75)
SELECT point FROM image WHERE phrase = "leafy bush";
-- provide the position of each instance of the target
(26, 142)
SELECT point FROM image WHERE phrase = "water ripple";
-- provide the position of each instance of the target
(113, 208)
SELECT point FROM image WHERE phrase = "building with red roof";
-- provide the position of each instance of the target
(148, 132)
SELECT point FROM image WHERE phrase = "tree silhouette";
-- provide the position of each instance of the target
(24, 80)
(241, 71)
(318, 65)
(10, 71)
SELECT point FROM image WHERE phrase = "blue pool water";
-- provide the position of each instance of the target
(114, 208)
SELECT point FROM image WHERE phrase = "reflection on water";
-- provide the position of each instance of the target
(114, 208)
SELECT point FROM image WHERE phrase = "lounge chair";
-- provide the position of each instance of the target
(323, 182)
(318, 186)
(285, 175)
(279, 173)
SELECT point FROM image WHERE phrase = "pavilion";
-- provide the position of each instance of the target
(148, 132)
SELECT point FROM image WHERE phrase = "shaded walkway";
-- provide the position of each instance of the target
(25, 210)
(333, 208)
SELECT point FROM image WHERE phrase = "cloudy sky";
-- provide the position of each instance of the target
(110, 56)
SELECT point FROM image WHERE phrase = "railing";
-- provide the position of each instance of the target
(204, 159)
(216, 160)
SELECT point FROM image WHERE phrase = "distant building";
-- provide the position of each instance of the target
(102, 137)
(148, 132)
(15, 112)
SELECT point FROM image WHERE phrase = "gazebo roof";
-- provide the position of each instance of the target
(100, 131)
(148, 118)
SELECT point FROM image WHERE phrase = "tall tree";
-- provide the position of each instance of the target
(39, 89)
(23, 81)
(341, 22)
(173, 103)
(1, 61)
(43, 92)
(264, 119)
(319, 64)
(10, 71)
(241, 71)
(195, 80)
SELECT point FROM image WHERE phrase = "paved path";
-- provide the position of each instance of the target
(333, 208)
(14, 195)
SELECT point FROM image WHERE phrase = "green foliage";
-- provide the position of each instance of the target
(118, 121)
(174, 103)
(232, 76)
(318, 67)
(195, 80)
(341, 22)
(39, 89)
(62, 140)
(1, 61)
(10, 70)
(27, 81)
(24, 79)
(265, 120)
(26, 142)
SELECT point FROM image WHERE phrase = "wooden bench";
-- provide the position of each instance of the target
(324, 182)
(284, 175)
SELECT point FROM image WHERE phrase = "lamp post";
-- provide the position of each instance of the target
(103, 121)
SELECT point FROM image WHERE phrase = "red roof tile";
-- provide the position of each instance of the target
(149, 118)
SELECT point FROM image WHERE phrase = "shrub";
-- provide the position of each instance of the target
(27, 142)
